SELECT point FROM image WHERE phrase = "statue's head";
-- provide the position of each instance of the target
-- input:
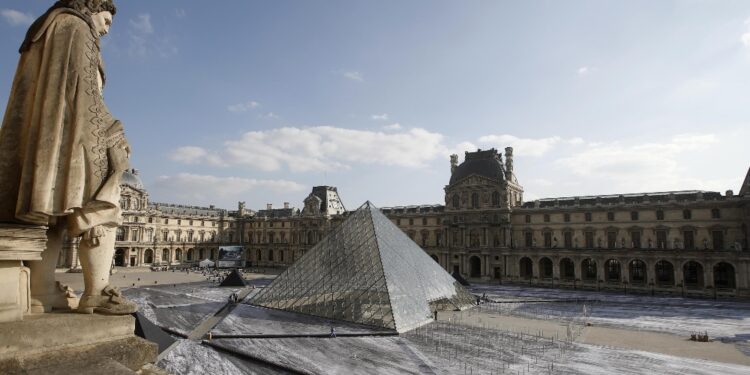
(100, 11)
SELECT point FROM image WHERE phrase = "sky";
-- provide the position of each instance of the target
(259, 101)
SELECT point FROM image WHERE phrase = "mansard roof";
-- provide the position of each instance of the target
(745, 189)
(178, 209)
(486, 163)
(130, 178)
(634, 198)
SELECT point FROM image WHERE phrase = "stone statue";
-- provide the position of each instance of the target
(62, 153)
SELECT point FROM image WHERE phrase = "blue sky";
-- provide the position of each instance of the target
(261, 100)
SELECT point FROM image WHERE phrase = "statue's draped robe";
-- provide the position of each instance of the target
(57, 135)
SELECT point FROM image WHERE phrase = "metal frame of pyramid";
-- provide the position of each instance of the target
(366, 271)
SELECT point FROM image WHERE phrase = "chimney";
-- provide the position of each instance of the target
(454, 163)
(730, 193)
(269, 206)
(286, 205)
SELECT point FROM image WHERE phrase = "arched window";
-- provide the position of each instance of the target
(495, 199)
(637, 271)
(612, 270)
(270, 255)
(148, 256)
(120, 234)
(165, 255)
(456, 201)
(178, 255)
(588, 268)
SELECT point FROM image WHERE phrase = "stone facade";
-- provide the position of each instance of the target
(682, 242)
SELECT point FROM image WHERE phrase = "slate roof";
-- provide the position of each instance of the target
(483, 163)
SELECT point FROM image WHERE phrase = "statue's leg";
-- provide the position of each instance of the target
(46, 294)
(96, 259)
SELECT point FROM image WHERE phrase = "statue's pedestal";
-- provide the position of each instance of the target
(17, 243)
(69, 343)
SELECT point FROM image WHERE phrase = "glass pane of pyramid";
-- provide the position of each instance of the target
(366, 271)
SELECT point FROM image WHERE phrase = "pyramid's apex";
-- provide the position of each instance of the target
(367, 205)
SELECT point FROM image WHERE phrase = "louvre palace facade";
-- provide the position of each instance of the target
(680, 242)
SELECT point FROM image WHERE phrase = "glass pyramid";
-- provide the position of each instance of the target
(366, 271)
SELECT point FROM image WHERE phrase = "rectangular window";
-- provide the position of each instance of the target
(610, 216)
(590, 240)
(688, 239)
(529, 239)
(547, 239)
(661, 239)
(568, 240)
(411, 221)
(424, 221)
(687, 214)
(398, 221)
(587, 216)
(634, 215)
(659, 215)
(566, 217)
(718, 239)
(546, 218)
(166, 221)
(528, 218)
(635, 237)
(611, 240)
(716, 213)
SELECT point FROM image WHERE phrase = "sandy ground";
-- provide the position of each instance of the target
(663, 343)
(653, 342)
(137, 277)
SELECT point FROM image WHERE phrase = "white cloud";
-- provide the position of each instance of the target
(142, 24)
(205, 189)
(196, 155)
(16, 18)
(383, 117)
(243, 107)
(354, 76)
(745, 38)
(526, 146)
(145, 42)
(324, 147)
(269, 115)
(639, 167)
(395, 126)
(180, 13)
(583, 70)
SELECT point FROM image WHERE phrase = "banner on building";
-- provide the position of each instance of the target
(230, 257)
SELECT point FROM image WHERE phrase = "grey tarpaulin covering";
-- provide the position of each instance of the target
(146, 329)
